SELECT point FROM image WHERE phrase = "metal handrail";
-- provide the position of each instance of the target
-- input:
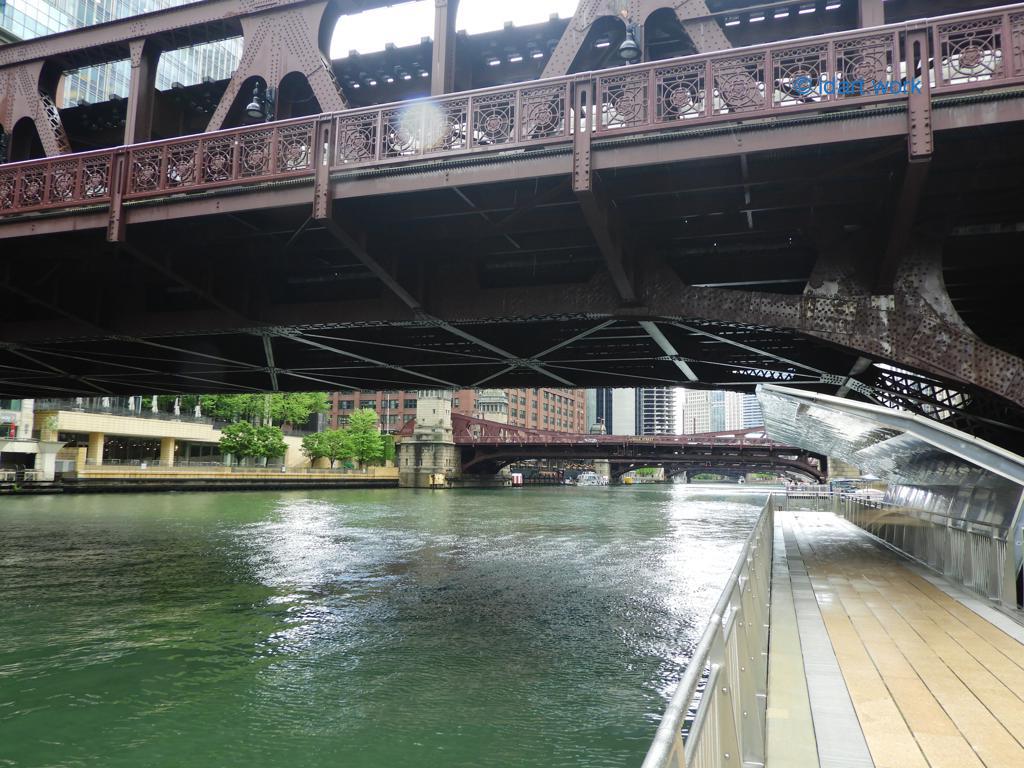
(736, 635)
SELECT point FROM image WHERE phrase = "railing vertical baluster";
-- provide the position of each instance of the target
(831, 69)
(1006, 47)
(78, 193)
(275, 150)
(769, 81)
(709, 88)
(236, 155)
(652, 97)
(517, 116)
(378, 148)
(938, 67)
(47, 182)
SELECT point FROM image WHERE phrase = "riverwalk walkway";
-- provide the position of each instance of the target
(876, 661)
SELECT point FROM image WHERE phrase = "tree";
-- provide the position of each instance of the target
(334, 444)
(238, 439)
(339, 445)
(297, 407)
(314, 446)
(268, 442)
(275, 407)
(364, 437)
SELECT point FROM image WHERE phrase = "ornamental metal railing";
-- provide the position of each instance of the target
(720, 702)
(966, 52)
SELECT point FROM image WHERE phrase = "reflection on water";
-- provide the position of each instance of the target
(535, 627)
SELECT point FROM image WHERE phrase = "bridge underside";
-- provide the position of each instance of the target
(795, 462)
(808, 253)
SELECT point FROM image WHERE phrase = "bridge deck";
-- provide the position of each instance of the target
(873, 664)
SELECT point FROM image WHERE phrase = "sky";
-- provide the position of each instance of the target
(405, 23)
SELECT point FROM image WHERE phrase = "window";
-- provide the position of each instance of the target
(346, 405)
(371, 404)
(392, 404)
(455, 402)
(409, 403)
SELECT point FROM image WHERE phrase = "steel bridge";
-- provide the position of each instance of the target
(488, 446)
(694, 220)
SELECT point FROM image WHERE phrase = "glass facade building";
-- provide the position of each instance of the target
(25, 19)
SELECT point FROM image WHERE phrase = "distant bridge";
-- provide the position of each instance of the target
(487, 446)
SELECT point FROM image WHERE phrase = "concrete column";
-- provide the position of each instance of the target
(95, 455)
(138, 125)
(47, 432)
(26, 420)
(167, 451)
(442, 70)
(871, 13)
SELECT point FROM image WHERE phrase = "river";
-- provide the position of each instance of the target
(517, 627)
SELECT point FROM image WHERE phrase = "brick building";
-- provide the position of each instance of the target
(560, 410)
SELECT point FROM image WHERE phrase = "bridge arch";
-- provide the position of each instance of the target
(25, 141)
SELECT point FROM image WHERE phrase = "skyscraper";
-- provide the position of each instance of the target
(752, 412)
(24, 19)
(600, 408)
(657, 411)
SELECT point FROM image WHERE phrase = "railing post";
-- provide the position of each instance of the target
(118, 179)
(323, 151)
(1014, 545)
(582, 118)
(919, 107)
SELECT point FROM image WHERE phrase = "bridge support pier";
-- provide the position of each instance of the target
(431, 451)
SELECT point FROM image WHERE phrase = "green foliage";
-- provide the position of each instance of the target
(360, 440)
(332, 444)
(363, 436)
(647, 472)
(238, 439)
(243, 440)
(314, 446)
(279, 407)
(269, 443)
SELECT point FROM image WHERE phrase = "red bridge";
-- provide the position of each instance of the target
(487, 446)
(696, 219)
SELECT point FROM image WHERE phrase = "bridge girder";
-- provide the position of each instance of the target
(589, 233)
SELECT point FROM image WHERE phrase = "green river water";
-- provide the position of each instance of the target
(384, 628)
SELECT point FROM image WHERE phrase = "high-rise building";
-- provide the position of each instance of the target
(718, 411)
(24, 19)
(696, 411)
(624, 412)
(657, 411)
(752, 412)
(600, 408)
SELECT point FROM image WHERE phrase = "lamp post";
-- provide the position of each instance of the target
(262, 105)
(630, 51)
